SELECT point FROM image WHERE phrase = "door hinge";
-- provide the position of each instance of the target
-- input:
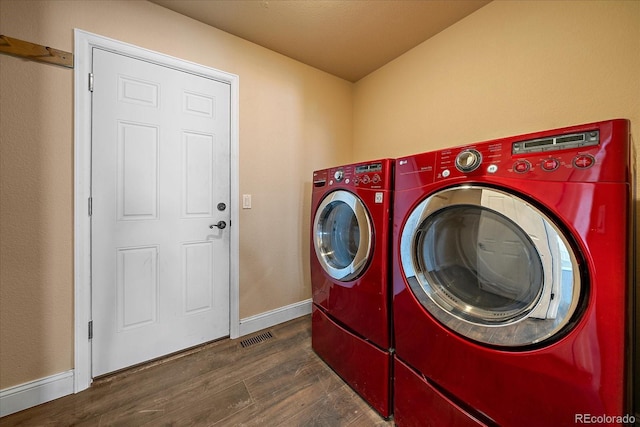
(90, 206)
(90, 329)
(90, 82)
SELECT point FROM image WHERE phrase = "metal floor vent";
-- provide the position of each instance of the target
(256, 339)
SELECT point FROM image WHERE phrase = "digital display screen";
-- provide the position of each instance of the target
(572, 138)
(538, 143)
(374, 167)
(559, 142)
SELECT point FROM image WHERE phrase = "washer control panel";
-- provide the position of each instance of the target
(496, 159)
(593, 152)
(570, 156)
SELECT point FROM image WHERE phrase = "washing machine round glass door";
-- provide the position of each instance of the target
(490, 266)
(342, 235)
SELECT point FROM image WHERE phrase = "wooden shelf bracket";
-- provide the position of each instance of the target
(35, 52)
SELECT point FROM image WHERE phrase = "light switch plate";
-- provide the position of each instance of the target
(246, 201)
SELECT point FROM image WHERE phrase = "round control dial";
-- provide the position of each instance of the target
(338, 175)
(468, 160)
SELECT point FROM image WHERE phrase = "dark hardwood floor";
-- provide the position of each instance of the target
(279, 381)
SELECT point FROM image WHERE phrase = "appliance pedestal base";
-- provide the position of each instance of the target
(417, 403)
(365, 367)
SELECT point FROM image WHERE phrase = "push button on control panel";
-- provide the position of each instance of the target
(583, 161)
(521, 166)
(550, 164)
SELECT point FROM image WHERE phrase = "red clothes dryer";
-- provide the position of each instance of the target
(350, 275)
(512, 280)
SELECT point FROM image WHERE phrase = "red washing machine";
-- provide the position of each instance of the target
(350, 276)
(512, 281)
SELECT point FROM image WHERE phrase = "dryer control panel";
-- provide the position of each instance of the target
(377, 174)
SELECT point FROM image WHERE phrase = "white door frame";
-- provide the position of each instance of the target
(84, 43)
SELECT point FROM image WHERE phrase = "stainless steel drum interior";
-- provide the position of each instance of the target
(486, 263)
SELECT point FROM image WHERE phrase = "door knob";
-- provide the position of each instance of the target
(221, 225)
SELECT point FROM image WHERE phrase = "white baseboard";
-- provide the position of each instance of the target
(267, 319)
(33, 393)
(23, 396)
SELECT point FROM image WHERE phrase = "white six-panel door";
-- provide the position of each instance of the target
(160, 179)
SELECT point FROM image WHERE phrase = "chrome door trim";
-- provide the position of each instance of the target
(361, 258)
(532, 324)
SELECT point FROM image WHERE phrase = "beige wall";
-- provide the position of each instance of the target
(511, 67)
(293, 119)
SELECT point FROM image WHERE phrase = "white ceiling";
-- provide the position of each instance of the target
(347, 38)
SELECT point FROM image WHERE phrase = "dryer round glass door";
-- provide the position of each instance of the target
(490, 266)
(342, 235)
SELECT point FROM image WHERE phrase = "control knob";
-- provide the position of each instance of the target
(339, 175)
(468, 160)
